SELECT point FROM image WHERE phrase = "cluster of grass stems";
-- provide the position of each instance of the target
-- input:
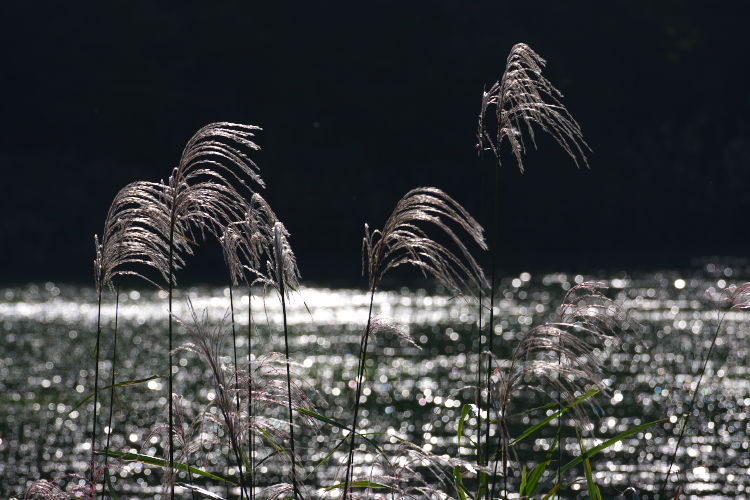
(152, 228)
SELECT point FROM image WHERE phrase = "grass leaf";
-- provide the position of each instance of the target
(149, 460)
(531, 430)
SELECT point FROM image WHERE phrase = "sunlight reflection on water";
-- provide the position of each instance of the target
(46, 365)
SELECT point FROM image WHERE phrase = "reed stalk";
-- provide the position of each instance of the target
(403, 241)
(521, 98)
(170, 347)
(236, 373)
(688, 414)
(251, 434)
(282, 291)
(112, 381)
(96, 384)
(358, 393)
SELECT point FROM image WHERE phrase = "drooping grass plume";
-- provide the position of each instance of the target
(564, 357)
(129, 246)
(83, 489)
(203, 197)
(521, 99)
(404, 240)
(257, 247)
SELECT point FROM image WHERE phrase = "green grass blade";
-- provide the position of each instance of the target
(606, 444)
(114, 386)
(149, 460)
(531, 430)
(464, 414)
(360, 484)
(593, 489)
(522, 489)
(458, 479)
(538, 471)
(552, 492)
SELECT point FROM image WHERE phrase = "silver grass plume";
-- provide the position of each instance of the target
(575, 346)
(208, 344)
(566, 356)
(84, 487)
(403, 240)
(522, 98)
(203, 197)
(135, 236)
(203, 191)
(256, 249)
(257, 246)
(136, 233)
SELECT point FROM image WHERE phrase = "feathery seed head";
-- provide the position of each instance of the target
(403, 240)
(521, 99)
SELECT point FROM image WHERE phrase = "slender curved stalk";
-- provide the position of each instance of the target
(96, 382)
(692, 404)
(236, 378)
(282, 292)
(491, 332)
(251, 436)
(559, 420)
(479, 383)
(112, 381)
(169, 401)
(360, 376)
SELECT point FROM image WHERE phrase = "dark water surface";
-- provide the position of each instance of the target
(47, 334)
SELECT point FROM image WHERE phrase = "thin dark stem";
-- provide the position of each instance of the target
(251, 436)
(360, 376)
(171, 416)
(96, 381)
(282, 292)
(560, 417)
(692, 404)
(480, 458)
(112, 382)
(236, 379)
(491, 331)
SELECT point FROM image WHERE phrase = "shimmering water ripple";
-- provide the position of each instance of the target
(47, 334)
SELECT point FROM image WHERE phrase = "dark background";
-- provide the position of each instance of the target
(361, 102)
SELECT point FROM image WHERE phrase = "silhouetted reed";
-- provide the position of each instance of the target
(404, 241)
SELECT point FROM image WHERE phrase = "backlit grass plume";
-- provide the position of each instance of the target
(204, 195)
(257, 249)
(524, 98)
(270, 392)
(133, 241)
(404, 240)
(563, 357)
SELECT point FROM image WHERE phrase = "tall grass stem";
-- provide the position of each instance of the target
(112, 382)
(358, 392)
(691, 406)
